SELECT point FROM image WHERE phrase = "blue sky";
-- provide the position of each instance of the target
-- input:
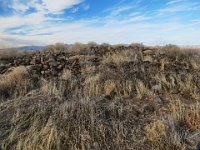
(152, 22)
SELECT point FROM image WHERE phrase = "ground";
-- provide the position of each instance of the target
(100, 97)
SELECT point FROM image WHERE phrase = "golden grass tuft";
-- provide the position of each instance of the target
(66, 74)
(92, 86)
(109, 87)
(116, 58)
(192, 119)
(156, 131)
(186, 115)
(52, 88)
(142, 91)
(15, 82)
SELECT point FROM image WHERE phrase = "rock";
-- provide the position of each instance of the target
(148, 58)
(147, 52)
(60, 67)
(52, 59)
(45, 67)
(76, 57)
(158, 100)
(54, 64)
(3, 69)
(42, 72)
(157, 87)
(32, 62)
(149, 109)
(54, 72)
(47, 72)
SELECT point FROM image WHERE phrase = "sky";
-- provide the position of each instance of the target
(151, 22)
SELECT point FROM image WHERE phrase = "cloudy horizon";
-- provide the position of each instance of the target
(152, 22)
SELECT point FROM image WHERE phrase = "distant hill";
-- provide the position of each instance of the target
(32, 48)
(25, 48)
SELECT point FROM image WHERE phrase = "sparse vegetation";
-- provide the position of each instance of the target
(101, 97)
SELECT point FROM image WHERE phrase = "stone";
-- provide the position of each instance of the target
(60, 67)
(157, 87)
(149, 109)
(32, 62)
(45, 67)
(52, 59)
(158, 99)
(3, 69)
(54, 63)
(148, 58)
(47, 72)
(147, 52)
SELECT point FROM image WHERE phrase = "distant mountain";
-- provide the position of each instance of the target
(30, 48)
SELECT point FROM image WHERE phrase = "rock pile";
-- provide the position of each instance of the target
(52, 63)
(49, 63)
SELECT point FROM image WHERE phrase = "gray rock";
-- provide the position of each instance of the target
(157, 87)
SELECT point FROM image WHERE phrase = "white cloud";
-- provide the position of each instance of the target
(179, 8)
(175, 1)
(117, 10)
(23, 6)
(134, 14)
(136, 19)
(7, 41)
(74, 10)
(35, 18)
(50, 6)
(83, 31)
(56, 6)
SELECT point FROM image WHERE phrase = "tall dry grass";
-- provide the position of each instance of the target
(122, 103)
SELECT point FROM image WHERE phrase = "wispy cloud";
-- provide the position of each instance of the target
(175, 1)
(86, 7)
(74, 10)
(116, 11)
(50, 6)
(180, 8)
(58, 6)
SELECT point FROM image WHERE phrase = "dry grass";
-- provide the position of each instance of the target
(92, 86)
(142, 90)
(66, 74)
(13, 53)
(15, 83)
(122, 102)
(117, 58)
(156, 131)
